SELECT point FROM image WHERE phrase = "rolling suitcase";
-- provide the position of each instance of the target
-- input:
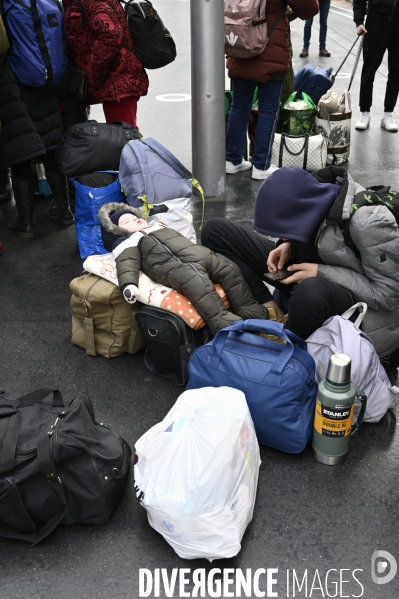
(316, 82)
(169, 342)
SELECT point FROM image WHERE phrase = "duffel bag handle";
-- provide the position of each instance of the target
(271, 327)
(37, 396)
(260, 326)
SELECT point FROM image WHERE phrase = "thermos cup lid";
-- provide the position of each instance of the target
(339, 369)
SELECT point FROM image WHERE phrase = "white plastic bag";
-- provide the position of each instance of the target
(178, 217)
(197, 473)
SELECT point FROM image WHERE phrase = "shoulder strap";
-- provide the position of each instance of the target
(148, 197)
(164, 153)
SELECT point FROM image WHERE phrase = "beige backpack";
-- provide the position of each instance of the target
(102, 321)
(245, 27)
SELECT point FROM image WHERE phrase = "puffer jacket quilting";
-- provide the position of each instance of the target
(172, 260)
(374, 277)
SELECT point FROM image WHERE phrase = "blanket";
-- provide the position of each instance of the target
(151, 293)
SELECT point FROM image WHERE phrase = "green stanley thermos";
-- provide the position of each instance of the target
(335, 405)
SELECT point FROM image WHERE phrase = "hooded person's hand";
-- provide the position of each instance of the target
(279, 256)
(301, 272)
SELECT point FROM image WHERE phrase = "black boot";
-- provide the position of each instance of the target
(5, 187)
(24, 194)
(60, 209)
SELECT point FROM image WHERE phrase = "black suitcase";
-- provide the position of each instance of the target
(57, 464)
(92, 146)
(169, 342)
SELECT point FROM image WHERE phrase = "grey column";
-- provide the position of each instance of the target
(207, 84)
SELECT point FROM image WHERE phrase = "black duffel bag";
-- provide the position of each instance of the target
(57, 465)
(152, 43)
(92, 146)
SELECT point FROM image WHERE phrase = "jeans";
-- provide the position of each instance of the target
(324, 7)
(311, 302)
(269, 103)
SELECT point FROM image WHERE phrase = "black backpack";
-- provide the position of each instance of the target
(169, 342)
(57, 465)
(152, 43)
(378, 195)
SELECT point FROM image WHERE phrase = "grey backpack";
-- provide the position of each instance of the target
(245, 27)
(150, 175)
(339, 335)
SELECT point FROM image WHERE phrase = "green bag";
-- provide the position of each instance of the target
(298, 122)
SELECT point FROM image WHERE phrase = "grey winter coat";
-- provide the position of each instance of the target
(171, 259)
(374, 277)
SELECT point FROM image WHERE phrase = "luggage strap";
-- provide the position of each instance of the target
(148, 197)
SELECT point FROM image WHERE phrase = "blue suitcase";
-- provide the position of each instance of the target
(313, 81)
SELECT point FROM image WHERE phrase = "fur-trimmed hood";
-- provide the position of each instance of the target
(110, 232)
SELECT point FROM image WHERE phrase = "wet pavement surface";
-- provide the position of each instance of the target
(307, 516)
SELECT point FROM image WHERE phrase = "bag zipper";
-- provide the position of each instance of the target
(86, 303)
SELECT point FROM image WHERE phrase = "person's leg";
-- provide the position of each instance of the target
(245, 248)
(307, 31)
(60, 209)
(312, 302)
(374, 46)
(324, 8)
(192, 280)
(23, 183)
(269, 107)
(392, 91)
(243, 94)
(228, 275)
(124, 110)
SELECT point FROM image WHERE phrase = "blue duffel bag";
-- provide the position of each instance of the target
(278, 379)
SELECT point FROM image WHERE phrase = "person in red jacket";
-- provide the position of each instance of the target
(98, 42)
(265, 71)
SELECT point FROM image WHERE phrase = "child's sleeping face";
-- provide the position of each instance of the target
(131, 223)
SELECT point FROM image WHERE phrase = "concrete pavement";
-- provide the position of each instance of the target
(307, 516)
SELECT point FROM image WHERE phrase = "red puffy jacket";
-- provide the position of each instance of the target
(275, 58)
(98, 42)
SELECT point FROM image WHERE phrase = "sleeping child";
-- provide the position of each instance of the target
(172, 260)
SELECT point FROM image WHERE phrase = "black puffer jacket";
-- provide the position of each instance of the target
(386, 9)
(31, 121)
(174, 261)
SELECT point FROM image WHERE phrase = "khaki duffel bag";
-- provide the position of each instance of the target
(102, 320)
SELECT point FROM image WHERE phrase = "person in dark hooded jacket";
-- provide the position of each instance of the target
(307, 213)
(171, 259)
(31, 127)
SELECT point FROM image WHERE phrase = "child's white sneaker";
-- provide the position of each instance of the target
(363, 122)
(388, 123)
(231, 168)
(259, 175)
